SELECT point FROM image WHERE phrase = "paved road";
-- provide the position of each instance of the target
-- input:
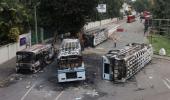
(151, 83)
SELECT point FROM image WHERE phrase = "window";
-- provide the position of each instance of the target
(24, 57)
(106, 68)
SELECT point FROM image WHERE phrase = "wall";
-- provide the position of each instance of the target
(8, 51)
(98, 23)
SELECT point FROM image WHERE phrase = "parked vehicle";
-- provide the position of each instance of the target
(130, 18)
(119, 65)
(70, 61)
(34, 58)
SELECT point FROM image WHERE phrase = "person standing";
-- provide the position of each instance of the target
(115, 39)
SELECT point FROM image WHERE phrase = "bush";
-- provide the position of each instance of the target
(13, 34)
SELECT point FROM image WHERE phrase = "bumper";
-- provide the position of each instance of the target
(63, 77)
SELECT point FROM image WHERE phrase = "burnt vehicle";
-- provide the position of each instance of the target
(70, 61)
(95, 37)
(34, 58)
(120, 65)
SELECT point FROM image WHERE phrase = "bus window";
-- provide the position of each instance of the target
(70, 62)
(106, 68)
(24, 57)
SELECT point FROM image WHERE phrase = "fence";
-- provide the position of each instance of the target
(159, 35)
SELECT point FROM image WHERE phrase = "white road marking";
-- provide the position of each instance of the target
(59, 95)
(23, 97)
(168, 80)
(166, 84)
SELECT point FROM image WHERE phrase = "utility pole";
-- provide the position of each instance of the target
(35, 18)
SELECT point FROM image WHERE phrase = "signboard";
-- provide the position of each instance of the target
(22, 41)
(101, 8)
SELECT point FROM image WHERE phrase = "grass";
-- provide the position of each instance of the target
(159, 42)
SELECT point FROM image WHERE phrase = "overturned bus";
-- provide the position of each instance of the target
(95, 37)
(70, 61)
(119, 65)
(34, 58)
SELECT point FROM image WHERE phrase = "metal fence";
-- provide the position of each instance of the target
(159, 35)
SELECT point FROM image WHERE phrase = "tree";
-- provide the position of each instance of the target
(161, 9)
(141, 5)
(13, 20)
(65, 15)
(112, 8)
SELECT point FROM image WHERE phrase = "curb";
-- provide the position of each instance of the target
(161, 57)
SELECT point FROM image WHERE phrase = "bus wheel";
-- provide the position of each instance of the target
(34, 69)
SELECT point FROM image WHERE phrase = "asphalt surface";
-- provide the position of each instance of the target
(151, 83)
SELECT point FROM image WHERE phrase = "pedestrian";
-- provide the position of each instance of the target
(141, 19)
(115, 38)
(61, 37)
(146, 25)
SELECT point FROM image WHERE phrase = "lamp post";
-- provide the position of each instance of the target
(35, 19)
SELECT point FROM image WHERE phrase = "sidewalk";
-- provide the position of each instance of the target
(161, 57)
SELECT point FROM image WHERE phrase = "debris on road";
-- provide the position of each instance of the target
(79, 98)
(10, 80)
(92, 93)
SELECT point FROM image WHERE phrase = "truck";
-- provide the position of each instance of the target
(70, 65)
(121, 64)
(130, 18)
(34, 58)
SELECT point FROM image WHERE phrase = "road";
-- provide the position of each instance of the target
(151, 83)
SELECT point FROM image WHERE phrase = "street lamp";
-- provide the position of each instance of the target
(35, 19)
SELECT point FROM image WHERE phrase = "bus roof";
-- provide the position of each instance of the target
(36, 48)
(69, 47)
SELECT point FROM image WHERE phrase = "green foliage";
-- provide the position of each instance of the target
(13, 34)
(141, 5)
(65, 15)
(13, 20)
(112, 8)
(161, 9)
(159, 42)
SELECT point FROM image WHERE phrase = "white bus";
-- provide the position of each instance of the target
(70, 61)
(34, 58)
(120, 65)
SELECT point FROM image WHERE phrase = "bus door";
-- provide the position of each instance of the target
(106, 69)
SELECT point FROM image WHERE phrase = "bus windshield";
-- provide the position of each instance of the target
(70, 61)
(25, 57)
